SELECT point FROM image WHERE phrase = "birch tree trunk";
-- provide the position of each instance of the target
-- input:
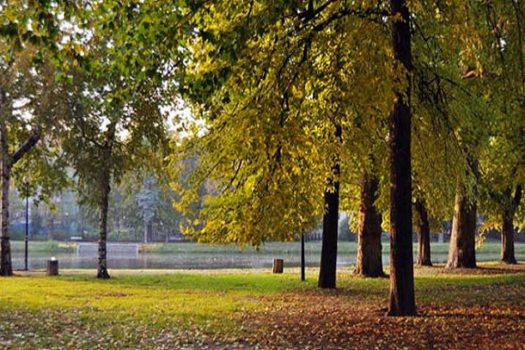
(102, 270)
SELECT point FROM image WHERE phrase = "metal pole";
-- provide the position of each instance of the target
(27, 228)
(303, 277)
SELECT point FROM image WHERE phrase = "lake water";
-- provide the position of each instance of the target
(214, 260)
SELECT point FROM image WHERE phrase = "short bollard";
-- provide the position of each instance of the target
(278, 265)
(52, 267)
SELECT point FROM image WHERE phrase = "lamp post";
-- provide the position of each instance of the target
(26, 240)
(303, 262)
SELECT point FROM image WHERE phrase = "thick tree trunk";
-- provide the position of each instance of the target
(507, 237)
(402, 299)
(8, 160)
(327, 273)
(423, 253)
(369, 258)
(462, 250)
(507, 227)
(146, 231)
(6, 269)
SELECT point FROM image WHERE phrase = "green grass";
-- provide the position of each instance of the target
(77, 305)
(344, 247)
(50, 247)
(147, 311)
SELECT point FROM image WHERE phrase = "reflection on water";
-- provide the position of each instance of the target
(199, 260)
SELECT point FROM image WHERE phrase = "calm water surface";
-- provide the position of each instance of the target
(208, 260)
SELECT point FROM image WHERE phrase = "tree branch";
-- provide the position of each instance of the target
(26, 146)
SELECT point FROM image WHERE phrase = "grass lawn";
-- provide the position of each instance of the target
(482, 308)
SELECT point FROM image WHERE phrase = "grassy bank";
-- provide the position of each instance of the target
(244, 309)
(313, 247)
(344, 247)
(51, 247)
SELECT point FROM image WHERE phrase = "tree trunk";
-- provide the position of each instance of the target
(402, 299)
(102, 271)
(423, 253)
(8, 160)
(369, 258)
(327, 273)
(146, 232)
(507, 227)
(507, 237)
(149, 229)
(6, 269)
(462, 250)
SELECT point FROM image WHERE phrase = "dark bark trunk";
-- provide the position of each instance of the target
(402, 299)
(507, 227)
(507, 237)
(6, 269)
(369, 258)
(8, 160)
(462, 250)
(423, 253)
(327, 273)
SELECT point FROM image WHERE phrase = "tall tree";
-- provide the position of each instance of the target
(26, 33)
(116, 98)
(402, 298)
(501, 78)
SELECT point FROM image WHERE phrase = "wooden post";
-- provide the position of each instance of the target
(278, 265)
(52, 267)
(303, 261)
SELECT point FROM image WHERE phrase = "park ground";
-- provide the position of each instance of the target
(253, 309)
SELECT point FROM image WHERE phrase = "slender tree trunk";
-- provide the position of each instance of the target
(50, 226)
(369, 258)
(145, 232)
(423, 253)
(327, 273)
(507, 237)
(102, 271)
(402, 298)
(149, 228)
(462, 250)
